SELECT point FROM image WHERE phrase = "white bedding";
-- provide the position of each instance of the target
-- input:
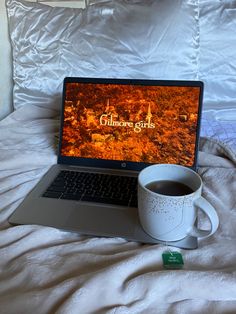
(45, 270)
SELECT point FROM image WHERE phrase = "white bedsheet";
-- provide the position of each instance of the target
(45, 270)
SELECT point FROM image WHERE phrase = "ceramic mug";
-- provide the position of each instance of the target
(172, 217)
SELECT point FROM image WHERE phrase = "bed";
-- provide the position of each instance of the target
(46, 270)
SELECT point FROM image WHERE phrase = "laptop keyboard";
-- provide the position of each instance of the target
(94, 187)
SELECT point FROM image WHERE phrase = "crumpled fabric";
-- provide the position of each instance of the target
(121, 39)
(217, 63)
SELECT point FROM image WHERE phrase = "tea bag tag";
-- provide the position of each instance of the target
(172, 259)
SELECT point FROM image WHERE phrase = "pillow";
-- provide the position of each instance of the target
(217, 62)
(122, 39)
(5, 65)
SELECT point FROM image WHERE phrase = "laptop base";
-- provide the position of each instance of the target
(140, 235)
(85, 218)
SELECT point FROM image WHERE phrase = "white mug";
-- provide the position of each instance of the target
(168, 217)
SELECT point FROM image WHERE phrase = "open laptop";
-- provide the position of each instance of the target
(110, 130)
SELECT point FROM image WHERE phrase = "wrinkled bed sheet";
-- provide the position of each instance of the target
(45, 270)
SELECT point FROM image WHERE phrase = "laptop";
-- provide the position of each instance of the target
(110, 130)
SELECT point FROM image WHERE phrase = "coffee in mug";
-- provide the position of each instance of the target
(169, 197)
(168, 187)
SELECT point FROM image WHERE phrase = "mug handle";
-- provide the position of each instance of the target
(210, 211)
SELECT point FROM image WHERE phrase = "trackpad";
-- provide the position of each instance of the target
(103, 221)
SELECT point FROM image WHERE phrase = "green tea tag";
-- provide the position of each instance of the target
(172, 260)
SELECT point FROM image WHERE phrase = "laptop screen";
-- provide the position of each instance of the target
(129, 123)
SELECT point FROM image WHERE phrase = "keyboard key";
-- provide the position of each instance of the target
(71, 197)
(51, 194)
(133, 201)
(55, 188)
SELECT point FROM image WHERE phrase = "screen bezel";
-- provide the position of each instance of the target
(117, 164)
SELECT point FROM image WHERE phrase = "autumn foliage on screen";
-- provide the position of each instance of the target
(151, 124)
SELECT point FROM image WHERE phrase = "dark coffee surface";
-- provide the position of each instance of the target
(167, 187)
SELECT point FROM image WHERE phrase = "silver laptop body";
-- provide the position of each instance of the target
(116, 127)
